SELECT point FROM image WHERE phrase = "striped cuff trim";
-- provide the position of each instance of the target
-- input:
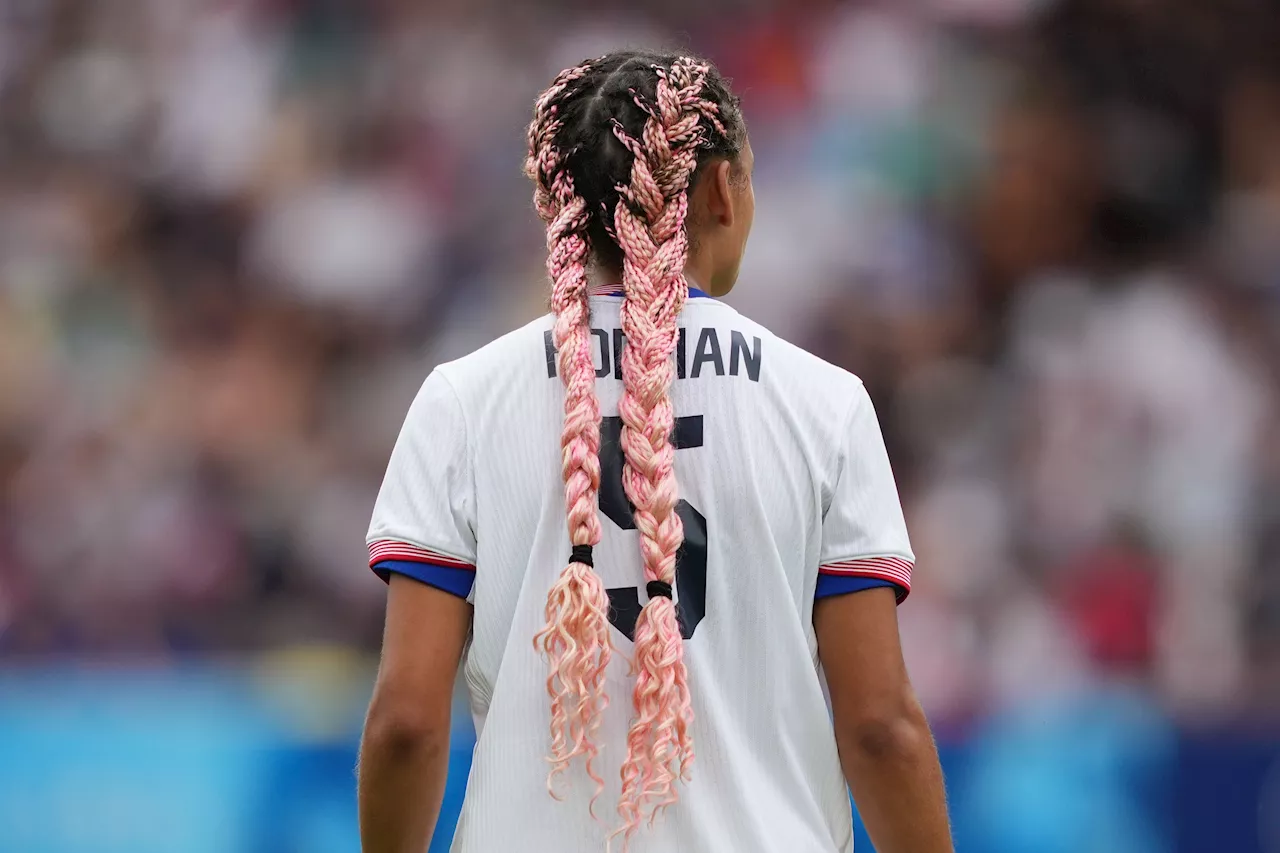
(390, 549)
(893, 569)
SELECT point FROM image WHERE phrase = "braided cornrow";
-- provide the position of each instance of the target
(613, 148)
(576, 638)
(650, 221)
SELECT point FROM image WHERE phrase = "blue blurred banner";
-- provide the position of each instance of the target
(126, 763)
(210, 761)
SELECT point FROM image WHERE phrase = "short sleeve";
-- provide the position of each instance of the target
(424, 519)
(863, 532)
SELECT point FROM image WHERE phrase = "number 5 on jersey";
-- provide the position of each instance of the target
(691, 559)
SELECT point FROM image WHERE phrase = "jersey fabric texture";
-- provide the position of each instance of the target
(786, 491)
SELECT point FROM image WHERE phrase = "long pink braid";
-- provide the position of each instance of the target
(650, 223)
(576, 638)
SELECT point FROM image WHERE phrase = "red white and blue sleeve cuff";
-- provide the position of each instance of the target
(389, 556)
(849, 575)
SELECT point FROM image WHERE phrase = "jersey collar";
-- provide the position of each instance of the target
(614, 289)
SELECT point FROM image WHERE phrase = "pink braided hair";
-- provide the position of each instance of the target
(576, 637)
(650, 225)
(648, 229)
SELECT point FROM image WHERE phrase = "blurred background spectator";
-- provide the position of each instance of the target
(235, 235)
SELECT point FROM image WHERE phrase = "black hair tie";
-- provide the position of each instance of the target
(658, 589)
(581, 554)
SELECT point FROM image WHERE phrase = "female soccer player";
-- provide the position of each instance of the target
(733, 533)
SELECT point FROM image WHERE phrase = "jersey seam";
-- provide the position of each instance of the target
(472, 495)
(838, 455)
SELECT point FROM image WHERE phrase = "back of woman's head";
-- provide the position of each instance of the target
(614, 147)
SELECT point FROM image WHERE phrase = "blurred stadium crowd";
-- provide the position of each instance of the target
(235, 235)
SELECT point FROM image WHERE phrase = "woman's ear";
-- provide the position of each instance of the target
(719, 193)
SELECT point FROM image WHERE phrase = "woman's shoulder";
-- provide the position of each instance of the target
(795, 364)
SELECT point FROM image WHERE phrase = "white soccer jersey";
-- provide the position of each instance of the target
(786, 495)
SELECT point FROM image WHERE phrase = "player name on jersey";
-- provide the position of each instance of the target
(708, 356)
